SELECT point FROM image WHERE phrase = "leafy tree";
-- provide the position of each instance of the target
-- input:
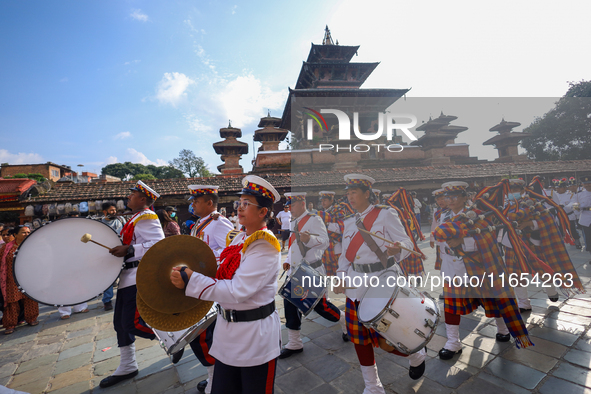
(129, 170)
(144, 177)
(564, 132)
(190, 164)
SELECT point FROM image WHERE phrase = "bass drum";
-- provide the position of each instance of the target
(52, 266)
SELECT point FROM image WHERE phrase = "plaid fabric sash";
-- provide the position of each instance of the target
(554, 252)
(199, 230)
(329, 258)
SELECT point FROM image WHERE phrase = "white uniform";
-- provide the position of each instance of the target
(584, 200)
(244, 344)
(451, 265)
(214, 233)
(387, 225)
(567, 200)
(317, 243)
(146, 233)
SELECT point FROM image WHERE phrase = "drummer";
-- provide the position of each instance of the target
(139, 233)
(246, 341)
(213, 229)
(307, 242)
(358, 260)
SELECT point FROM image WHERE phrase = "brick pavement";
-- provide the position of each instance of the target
(72, 356)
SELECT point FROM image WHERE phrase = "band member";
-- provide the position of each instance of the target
(442, 206)
(464, 256)
(334, 227)
(307, 243)
(566, 200)
(141, 232)
(584, 200)
(358, 260)
(213, 229)
(247, 337)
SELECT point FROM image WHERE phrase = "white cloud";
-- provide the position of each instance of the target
(170, 138)
(131, 62)
(172, 88)
(234, 9)
(111, 160)
(245, 99)
(138, 157)
(20, 158)
(122, 135)
(196, 124)
(65, 79)
(138, 15)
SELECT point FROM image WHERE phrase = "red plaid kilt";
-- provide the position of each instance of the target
(412, 265)
(437, 258)
(358, 333)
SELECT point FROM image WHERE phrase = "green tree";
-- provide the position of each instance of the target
(144, 177)
(130, 170)
(190, 164)
(564, 132)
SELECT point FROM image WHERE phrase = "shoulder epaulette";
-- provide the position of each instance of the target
(230, 236)
(381, 206)
(262, 234)
(312, 213)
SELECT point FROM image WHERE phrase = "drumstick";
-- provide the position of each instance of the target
(297, 232)
(392, 242)
(86, 237)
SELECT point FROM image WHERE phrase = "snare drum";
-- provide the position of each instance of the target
(174, 341)
(405, 317)
(304, 288)
(52, 266)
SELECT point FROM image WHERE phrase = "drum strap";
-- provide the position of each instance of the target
(235, 316)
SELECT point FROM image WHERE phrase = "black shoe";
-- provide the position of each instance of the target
(524, 310)
(285, 353)
(345, 337)
(416, 372)
(201, 386)
(445, 354)
(177, 356)
(503, 337)
(441, 296)
(108, 306)
(114, 379)
(553, 298)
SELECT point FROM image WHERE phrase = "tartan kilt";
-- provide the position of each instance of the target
(330, 261)
(358, 333)
(412, 265)
(457, 301)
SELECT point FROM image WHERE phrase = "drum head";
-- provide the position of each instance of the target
(377, 298)
(53, 267)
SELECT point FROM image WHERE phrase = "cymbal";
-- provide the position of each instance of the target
(172, 322)
(153, 274)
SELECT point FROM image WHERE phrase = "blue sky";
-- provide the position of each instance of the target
(97, 82)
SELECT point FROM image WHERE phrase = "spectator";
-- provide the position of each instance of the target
(10, 291)
(1, 228)
(169, 225)
(284, 219)
(233, 219)
(116, 223)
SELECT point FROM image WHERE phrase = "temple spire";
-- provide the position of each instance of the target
(327, 37)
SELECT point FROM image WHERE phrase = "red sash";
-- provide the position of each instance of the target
(301, 224)
(129, 227)
(357, 240)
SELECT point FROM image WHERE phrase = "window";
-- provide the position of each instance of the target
(55, 173)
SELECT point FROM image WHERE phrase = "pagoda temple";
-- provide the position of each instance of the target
(438, 142)
(230, 150)
(507, 141)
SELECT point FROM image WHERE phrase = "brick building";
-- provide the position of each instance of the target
(49, 170)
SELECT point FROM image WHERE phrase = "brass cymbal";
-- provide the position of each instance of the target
(172, 322)
(153, 274)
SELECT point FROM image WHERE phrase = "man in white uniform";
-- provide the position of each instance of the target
(284, 219)
(307, 243)
(141, 232)
(584, 200)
